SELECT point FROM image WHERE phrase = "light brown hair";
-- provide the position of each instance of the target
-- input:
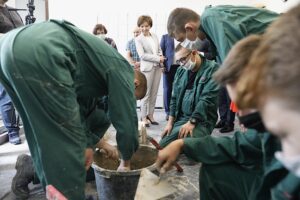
(274, 69)
(144, 18)
(237, 60)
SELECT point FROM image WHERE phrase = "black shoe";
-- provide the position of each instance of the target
(24, 175)
(152, 122)
(220, 124)
(226, 129)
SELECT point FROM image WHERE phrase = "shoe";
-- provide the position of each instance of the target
(14, 138)
(24, 175)
(167, 117)
(152, 122)
(220, 124)
(226, 129)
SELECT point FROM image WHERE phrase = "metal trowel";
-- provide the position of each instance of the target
(152, 187)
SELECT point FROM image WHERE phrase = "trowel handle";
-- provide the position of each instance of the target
(158, 147)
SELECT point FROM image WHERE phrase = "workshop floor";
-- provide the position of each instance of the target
(9, 154)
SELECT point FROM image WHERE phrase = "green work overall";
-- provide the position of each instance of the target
(200, 102)
(225, 25)
(53, 71)
(232, 168)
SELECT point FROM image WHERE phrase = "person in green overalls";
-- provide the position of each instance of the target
(232, 167)
(193, 105)
(54, 73)
(271, 83)
(223, 26)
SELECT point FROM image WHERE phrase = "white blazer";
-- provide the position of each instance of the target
(147, 56)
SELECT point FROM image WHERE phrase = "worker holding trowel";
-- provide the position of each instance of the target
(52, 70)
(232, 168)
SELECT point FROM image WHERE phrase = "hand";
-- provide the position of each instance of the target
(243, 128)
(124, 166)
(89, 157)
(137, 65)
(162, 59)
(167, 130)
(186, 129)
(109, 150)
(167, 156)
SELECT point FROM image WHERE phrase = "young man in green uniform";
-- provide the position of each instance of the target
(193, 106)
(271, 83)
(54, 73)
(223, 26)
(232, 168)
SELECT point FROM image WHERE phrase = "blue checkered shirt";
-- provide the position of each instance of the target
(131, 47)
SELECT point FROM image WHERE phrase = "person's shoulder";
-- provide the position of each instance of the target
(153, 35)
(211, 11)
(139, 38)
(210, 64)
(180, 71)
(130, 42)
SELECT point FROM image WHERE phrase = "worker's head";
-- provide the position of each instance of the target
(140, 84)
(230, 72)
(271, 81)
(100, 31)
(145, 24)
(186, 58)
(183, 25)
(136, 31)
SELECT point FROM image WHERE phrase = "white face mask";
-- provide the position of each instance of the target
(101, 36)
(192, 45)
(189, 65)
(291, 163)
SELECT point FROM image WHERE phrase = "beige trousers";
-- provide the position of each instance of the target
(148, 102)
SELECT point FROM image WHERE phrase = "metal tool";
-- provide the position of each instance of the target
(158, 147)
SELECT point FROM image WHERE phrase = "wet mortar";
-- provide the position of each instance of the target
(144, 157)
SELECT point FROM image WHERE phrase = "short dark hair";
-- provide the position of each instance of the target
(144, 18)
(99, 27)
(178, 18)
(142, 88)
(237, 60)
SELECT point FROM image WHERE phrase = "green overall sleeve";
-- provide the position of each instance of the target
(121, 105)
(225, 25)
(242, 148)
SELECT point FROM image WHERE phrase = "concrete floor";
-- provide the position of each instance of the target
(9, 154)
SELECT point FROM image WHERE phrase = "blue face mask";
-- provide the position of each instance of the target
(192, 45)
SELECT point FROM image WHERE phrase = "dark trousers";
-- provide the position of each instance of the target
(226, 114)
(168, 78)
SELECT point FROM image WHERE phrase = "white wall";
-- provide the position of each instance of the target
(278, 5)
(39, 12)
(120, 17)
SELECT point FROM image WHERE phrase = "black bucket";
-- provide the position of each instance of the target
(113, 185)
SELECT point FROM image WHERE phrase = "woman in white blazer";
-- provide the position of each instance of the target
(151, 65)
